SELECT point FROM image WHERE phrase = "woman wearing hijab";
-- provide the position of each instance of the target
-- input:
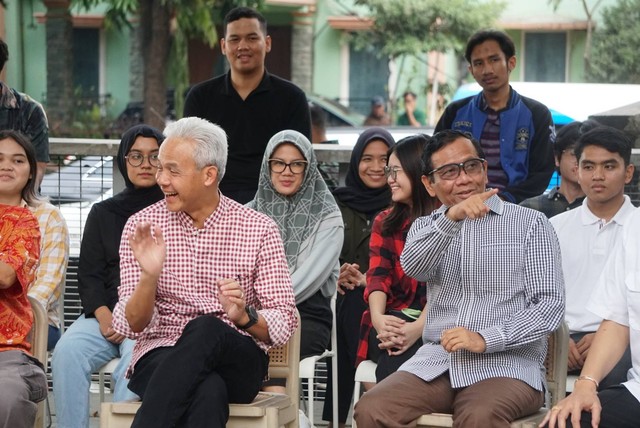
(90, 342)
(391, 328)
(366, 194)
(292, 192)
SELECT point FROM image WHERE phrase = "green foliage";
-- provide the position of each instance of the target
(615, 57)
(87, 118)
(411, 27)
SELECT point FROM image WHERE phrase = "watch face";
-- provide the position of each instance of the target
(253, 316)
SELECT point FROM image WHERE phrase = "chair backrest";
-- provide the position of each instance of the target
(556, 364)
(284, 362)
(39, 331)
(38, 337)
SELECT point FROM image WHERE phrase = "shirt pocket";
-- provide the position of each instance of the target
(498, 269)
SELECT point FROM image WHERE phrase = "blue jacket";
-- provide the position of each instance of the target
(527, 135)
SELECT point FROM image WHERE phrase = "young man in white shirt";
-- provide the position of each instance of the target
(589, 233)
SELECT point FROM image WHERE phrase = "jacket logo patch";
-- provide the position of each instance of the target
(462, 124)
(522, 139)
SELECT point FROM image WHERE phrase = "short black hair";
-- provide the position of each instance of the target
(413, 95)
(318, 116)
(244, 12)
(29, 192)
(568, 135)
(505, 42)
(4, 54)
(610, 139)
(442, 139)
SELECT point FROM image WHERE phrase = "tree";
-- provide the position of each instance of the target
(415, 27)
(615, 56)
(166, 25)
(412, 27)
(589, 11)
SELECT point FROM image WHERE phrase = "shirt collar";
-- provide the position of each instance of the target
(494, 203)
(214, 217)
(8, 99)
(620, 217)
(482, 103)
(264, 85)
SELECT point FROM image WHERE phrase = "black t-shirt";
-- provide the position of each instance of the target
(276, 104)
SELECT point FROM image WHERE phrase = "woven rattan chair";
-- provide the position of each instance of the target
(39, 337)
(556, 367)
(268, 410)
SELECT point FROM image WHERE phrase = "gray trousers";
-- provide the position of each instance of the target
(23, 383)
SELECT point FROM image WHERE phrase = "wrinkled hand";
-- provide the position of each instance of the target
(473, 207)
(397, 344)
(575, 361)
(107, 330)
(148, 248)
(231, 298)
(459, 338)
(350, 277)
(585, 344)
(584, 397)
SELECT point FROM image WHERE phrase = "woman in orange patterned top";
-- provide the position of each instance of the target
(22, 379)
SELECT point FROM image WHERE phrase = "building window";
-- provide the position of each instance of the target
(86, 63)
(545, 57)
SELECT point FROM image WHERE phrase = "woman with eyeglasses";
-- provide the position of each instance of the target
(391, 329)
(292, 192)
(365, 194)
(90, 342)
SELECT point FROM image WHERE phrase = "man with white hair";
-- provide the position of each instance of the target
(205, 288)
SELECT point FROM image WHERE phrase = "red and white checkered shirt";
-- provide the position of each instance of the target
(236, 242)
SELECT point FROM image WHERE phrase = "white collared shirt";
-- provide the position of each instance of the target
(617, 294)
(586, 242)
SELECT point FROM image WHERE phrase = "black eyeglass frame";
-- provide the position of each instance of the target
(288, 165)
(154, 163)
(460, 167)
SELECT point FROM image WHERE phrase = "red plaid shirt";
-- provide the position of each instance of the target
(385, 274)
(236, 242)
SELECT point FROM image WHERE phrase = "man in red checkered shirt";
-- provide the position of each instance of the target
(205, 288)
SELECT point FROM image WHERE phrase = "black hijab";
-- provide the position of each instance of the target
(132, 200)
(356, 195)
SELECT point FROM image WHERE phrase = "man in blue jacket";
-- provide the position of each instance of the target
(516, 132)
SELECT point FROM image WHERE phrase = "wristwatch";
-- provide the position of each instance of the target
(253, 317)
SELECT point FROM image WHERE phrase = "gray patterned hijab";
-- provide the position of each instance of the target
(298, 215)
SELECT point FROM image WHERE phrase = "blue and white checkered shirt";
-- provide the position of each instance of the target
(500, 276)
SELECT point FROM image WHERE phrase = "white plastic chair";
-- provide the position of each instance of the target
(308, 368)
(365, 373)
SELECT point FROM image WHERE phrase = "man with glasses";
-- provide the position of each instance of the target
(495, 291)
(516, 132)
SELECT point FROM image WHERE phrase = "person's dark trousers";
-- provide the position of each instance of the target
(618, 373)
(53, 337)
(349, 313)
(192, 383)
(620, 409)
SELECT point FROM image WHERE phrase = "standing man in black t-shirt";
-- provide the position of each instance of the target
(250, 104)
